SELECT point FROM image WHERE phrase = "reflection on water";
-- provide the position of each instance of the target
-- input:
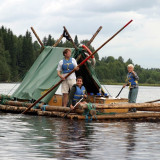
(34, 137)
(41, 138)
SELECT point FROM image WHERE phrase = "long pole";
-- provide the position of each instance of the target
(119, 92)
(153, 101)
(75, 68)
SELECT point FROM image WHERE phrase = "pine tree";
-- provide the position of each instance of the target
(5, 69)
(27, 51)
(76, 41)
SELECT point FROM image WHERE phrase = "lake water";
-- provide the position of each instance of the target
(45, 138)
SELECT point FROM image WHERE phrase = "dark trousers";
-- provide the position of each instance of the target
(132, 96)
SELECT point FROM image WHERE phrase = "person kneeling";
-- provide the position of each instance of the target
(77, 92)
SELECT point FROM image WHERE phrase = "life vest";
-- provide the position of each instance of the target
(79, 93)
(131, 79)
(67, 66)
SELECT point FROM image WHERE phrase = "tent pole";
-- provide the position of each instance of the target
(93, 37)
(57, 42)
(37, 38)
(91, 40)
(70, 38)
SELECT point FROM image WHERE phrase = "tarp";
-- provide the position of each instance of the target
(43, 75)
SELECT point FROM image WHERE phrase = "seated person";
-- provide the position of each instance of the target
(77, 92)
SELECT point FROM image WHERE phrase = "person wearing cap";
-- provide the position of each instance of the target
(132, 82)
(77, 92)
(65, 66)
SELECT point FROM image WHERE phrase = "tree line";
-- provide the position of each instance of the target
(18, 53)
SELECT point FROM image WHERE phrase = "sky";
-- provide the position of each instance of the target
(139, 41)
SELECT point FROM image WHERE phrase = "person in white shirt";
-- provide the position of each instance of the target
(65, 66)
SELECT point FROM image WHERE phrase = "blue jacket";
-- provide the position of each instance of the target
(79, 93)
(132, 80)
(67, 66)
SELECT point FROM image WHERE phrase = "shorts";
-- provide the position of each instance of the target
(67, 84)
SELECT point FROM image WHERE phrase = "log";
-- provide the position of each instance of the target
(16, 109)
(48, 113)
(118, 116)
(22, 104)
(62, 109)
(156, 109)
(123, 105)
(16, 103)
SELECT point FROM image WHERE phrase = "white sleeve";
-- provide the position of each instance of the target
(74, 62)
(59, 68)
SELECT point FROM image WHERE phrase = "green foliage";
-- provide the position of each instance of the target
(17, 54)
(111, 70)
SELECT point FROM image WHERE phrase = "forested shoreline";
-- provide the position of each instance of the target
(18, 53)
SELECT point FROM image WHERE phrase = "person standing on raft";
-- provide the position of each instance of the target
(132, 82)
(77, 92)
(65, 66)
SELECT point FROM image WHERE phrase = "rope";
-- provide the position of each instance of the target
(106, 90)
(92, 109)
(87, 112)
(4, 98)
(11, 89)
(43, 108)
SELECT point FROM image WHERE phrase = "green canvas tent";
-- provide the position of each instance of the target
(43, 75)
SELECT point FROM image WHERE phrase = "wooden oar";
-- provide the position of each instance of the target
(73, 107)
(75, 68)
(119, 92)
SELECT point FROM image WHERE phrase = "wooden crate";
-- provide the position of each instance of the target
(56, 100)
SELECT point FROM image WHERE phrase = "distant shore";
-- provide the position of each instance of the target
(106, 83)
(140, 84)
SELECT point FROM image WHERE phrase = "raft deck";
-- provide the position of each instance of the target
(104, 109)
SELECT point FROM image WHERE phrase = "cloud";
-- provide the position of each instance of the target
(139, 41)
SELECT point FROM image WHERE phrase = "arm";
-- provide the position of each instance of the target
(59, 74)
(85, 94)
(59, 70)
(135, 75)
